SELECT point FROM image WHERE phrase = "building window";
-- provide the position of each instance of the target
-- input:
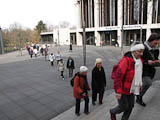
(135, 12)
(87, 11)
(108, 12)
(156, 11)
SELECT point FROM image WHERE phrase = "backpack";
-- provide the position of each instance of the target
(115, 74)
(72, 80)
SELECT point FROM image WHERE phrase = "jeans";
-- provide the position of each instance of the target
(125, 105)
(62, 74)
(70, 72)
(52, 63)
(146, 83)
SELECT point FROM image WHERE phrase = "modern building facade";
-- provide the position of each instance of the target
(105, 20)
(60, 36)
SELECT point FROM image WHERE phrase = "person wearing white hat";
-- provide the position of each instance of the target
(98, 81)
(127, 81)
(80, 90)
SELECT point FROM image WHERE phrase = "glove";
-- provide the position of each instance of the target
(81, 94)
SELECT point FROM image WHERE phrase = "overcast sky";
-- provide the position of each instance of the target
(29, 12)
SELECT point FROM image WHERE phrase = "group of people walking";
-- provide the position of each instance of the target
(132, 77)
(61, 65)
(35, 49)
(81, 86)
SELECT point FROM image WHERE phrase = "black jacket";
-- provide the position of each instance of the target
(72, 64)
(98, 79)
(149, 70)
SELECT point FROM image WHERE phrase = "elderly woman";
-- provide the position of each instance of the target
(128, 82)
(98, 81)
(80, 90)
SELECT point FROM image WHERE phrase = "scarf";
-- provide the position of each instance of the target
(137, 79)
(148, 45)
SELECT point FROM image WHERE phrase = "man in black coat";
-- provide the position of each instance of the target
(150, 54)
(98, 81)
(70, 66)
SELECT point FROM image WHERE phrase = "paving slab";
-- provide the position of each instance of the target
(33, 85)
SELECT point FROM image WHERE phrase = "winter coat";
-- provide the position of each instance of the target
(35, 51)
(58, 57)
(80, 86)
(72, 64)
(46, 51)
(98, 79)
(149, 70)
(31, 52)
(61, 66)
(51, 58)
(125, 72)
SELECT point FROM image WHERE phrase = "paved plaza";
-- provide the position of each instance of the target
(30, 89)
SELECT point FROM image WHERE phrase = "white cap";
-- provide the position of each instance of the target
(137, 47)
(83, 69)
(98, 60)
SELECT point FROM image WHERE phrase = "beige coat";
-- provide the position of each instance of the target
(61, 66)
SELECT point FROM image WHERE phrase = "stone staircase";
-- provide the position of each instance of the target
(101, 112)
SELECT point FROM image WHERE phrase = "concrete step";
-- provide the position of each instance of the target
(101, 112)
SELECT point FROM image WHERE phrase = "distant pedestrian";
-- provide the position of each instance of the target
(35, 52)
(70, 66)
(70, 47)
(150, 56)
(46, 52)
(80, 90)
(127, 76)
(41, 50)
(98, 81)
(61, 68)
(58, 57)
(31, 52)
(52, 58)
(28, 48)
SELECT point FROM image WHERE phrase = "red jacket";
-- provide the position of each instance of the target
(126, 73)
(78, 87)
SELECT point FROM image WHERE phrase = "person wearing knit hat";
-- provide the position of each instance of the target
(80, 90)
(98, 60)
(135, 47)
(98, 81)
(127, 77)
(83, 69)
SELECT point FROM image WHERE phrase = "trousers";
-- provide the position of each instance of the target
(125, 105)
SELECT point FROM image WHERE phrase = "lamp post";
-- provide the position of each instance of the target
(141, 30)
(1, 41)
(58, 39)
(84, 35)
(122, 29)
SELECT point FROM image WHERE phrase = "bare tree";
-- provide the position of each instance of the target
(64, 24)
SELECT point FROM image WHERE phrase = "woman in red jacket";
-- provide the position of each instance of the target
(80, 89)
(128, 81)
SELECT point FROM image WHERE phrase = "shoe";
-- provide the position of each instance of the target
(113, 116)
(78, 114)
(86, 113)
(93, 103)
(100, 103)
(140, 102)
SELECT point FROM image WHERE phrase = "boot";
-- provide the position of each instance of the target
(113, 116)
(139, 100)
